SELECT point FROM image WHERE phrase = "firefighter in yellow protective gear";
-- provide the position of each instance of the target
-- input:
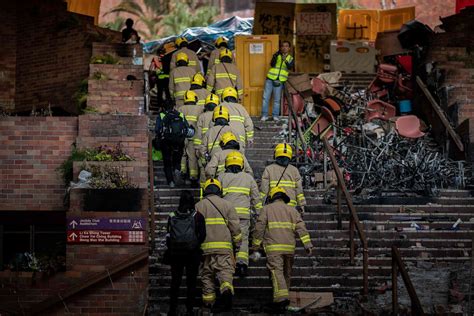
(180, 78)
(239, 117)
(276, 229)
(221, 43)
(182, 45)
(283, 174)
(191, 111)
(211, 141)
(204, 120)
(223, 238)
(225, 74)
(197, 85)
(216, 165)
(241, 190)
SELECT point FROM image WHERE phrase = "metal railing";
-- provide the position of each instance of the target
(397, 265)
(341, 188)
(83, 284)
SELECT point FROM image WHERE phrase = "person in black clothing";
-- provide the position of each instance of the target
(163, 80)
(129, 32)
(189, 259)
(171, 129)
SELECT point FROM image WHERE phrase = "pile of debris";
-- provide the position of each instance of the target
(377, 135)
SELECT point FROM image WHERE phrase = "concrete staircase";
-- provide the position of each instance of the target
(386, 223)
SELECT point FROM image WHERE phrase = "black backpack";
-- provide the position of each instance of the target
(183, 236)
(174, 127)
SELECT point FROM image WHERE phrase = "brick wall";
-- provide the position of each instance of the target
(117, 72)
(31, 150)
(53, 54)
(130, 131)
(116, 96)
(7, 55)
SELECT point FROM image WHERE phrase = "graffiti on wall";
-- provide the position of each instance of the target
(313, 23)
(275, 24)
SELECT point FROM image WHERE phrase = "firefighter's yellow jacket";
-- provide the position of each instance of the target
(277, 227)
(241, 190)
(180, 81)
(211, 140)
(224, 75)
(290, 181)
(192, 57)
(222, 229)
(216, 165)
(240, 120)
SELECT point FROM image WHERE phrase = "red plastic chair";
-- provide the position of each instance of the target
(409, 126)
(387, 73)
(333, 104)
(377, 109)
(319, 86)
(322, 127)
(298, 104)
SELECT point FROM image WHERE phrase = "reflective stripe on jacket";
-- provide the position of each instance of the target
(224, 75)
(222, 231)
(180, 81)
(280, 70)
(290, 181)
(241, 190)
(211, 141)
(216, 165)
(277, 227)
(240, 120)
(193, 59)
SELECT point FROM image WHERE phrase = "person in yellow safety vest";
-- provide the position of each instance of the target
(281, 64)
(210, 142)
(239, 117)
(225, 74)
(276, 229)
(191, 111)
(180, 78)
(283, 174)
(182, 45)
(223, 238)
(241, 190)
(221, 43)
(197, 85)
(216, 165)
(204, 120)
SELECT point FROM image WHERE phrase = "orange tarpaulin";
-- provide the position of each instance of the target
(89, 7)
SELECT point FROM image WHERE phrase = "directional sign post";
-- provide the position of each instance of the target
(105, 237)
(106, 230)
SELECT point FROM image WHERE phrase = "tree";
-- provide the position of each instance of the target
(116, 25)
(184, 16)
(166, 17)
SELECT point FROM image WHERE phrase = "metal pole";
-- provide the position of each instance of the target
(351, 241)
(394, 286)
(339, 202)
(151, 208)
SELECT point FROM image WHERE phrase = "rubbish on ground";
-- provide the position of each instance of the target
(310, 300)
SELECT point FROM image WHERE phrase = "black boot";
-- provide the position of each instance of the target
(225, 304)
(241, 270)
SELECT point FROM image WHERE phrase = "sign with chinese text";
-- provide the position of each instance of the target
(107, 223)
(105, 237)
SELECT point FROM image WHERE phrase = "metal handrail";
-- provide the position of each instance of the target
(397, 265)
(83, 284)
(354, 218)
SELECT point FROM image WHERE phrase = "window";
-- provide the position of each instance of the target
(25, 236)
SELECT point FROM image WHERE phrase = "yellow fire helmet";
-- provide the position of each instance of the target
(227, 137)
(284, 150)
(190, 96)
(180, 40)
(220, 112)
(212, 182)
(277, 190)
(229, 92)
(225, 53)
(182, 57)
(212, 98)
(198, 79)
(234, 158)
(220, 40)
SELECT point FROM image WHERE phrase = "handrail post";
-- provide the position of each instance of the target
(394, 285)
(354, 218)
(416, 308)
(339, 202)
(151, 196)
(351, 240)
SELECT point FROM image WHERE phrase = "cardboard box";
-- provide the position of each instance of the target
(300, 84)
